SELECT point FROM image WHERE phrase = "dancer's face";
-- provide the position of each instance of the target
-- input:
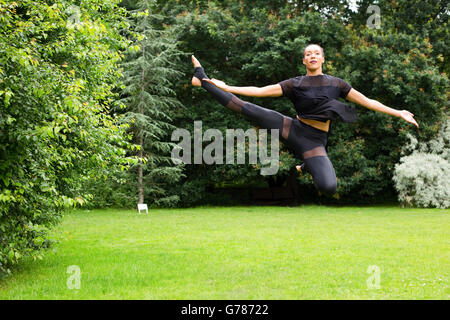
(313, 57)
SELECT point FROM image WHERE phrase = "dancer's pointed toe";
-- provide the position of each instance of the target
(195, 62)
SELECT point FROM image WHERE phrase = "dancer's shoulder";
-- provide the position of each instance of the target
(335, 81)
(331, 77)
(297, 79)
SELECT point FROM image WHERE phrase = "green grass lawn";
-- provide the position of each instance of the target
(307, 252)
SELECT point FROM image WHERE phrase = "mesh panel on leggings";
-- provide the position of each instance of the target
(316, 152)
(236, 104)
(286, 127)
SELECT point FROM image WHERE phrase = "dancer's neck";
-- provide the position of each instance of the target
(313, 73)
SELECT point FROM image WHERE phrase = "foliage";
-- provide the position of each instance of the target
(421, 177)
(58, 69)
(149, 99)
(425, 19)
(263, 43)
(149, 105)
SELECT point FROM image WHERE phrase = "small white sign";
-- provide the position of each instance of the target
(142, 206)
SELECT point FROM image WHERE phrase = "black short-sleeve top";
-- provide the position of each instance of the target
(315, 97)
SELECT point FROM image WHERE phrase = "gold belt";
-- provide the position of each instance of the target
(324, 126)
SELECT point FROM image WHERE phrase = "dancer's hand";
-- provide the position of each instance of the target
(218, 83)
(408, 116)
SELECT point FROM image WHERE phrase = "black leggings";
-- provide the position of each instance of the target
(307, 143)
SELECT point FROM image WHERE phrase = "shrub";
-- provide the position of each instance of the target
(421, 178)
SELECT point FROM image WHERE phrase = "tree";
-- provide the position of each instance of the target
(58, 68)
(427, 19)
(150, 101)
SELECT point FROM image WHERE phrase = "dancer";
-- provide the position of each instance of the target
(314, 97)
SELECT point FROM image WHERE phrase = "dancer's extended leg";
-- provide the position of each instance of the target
(262, 117)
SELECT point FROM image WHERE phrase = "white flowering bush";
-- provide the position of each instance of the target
(422, 177)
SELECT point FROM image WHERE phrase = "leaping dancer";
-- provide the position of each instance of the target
(314, 97)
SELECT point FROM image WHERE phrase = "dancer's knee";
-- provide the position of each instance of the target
(327, 187)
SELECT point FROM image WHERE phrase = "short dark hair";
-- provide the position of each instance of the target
(314, 44)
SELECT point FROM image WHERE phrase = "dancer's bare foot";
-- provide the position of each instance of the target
(195, 62)
(196, 81)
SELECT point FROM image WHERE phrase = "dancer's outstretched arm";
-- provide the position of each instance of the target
(359, 98)
(273, 90)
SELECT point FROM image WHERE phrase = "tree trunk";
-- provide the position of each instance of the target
(140, 174)
(141, 138)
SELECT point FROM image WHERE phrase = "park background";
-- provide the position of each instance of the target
(90, 92)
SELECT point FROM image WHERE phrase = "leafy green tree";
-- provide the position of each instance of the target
(58, 68)
(425, 19)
